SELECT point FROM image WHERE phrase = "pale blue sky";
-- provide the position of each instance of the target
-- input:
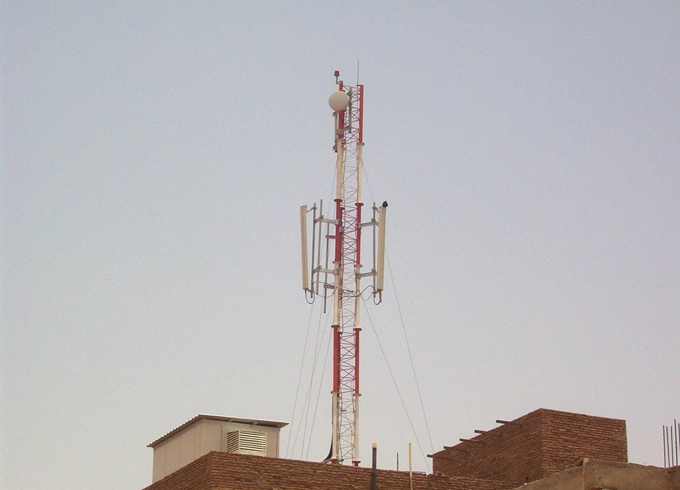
(154, 156)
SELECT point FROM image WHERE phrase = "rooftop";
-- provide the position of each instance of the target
(219, 418)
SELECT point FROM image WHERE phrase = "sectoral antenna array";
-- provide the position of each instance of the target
(332, 264)
(318, 267)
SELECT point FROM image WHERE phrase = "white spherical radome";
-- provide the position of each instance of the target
(338, 101)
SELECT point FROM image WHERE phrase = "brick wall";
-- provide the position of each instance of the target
(194, 476)
(228, 471)
(534, 446)
(529, 448)
(570, 437)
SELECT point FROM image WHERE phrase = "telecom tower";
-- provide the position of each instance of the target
(333, 269)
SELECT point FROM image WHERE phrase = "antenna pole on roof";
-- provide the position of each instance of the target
(333, 268)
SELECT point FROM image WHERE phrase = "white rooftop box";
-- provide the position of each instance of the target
(205, 433)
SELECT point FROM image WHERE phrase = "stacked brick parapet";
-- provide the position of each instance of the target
(571, 437)
(229, 471)
(534, 446)
(508, 453)
(544, 446)
(194, 476)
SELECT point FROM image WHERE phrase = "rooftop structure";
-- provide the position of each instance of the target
(205, 433)
(243, 472)
(552, 448)
(534, 446)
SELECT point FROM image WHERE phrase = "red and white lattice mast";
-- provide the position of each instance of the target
(333, 269)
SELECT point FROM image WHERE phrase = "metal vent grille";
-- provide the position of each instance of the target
(247, 441)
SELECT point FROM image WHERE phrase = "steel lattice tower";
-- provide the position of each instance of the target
(343, 246)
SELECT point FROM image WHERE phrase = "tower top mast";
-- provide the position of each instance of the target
(336, 264)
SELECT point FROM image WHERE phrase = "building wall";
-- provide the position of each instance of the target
(570, 437)
(511, 452)
(221, 471)
(193, 442)
(200, 438)
(599, 475)
(534, 446)
(596, 475)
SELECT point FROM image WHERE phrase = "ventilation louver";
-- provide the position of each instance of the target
(247, 442)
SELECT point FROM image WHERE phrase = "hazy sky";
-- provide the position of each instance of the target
(154, 157)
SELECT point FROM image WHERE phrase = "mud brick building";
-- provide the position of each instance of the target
(222, 471)
(534, 446)
(543, 450)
